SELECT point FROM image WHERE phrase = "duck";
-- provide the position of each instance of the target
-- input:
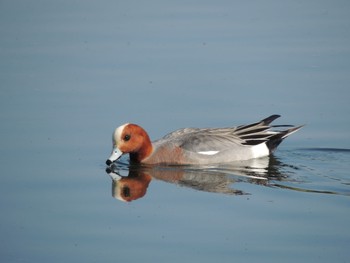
(200, 146)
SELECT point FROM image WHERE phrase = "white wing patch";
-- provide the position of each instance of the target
(208, 152)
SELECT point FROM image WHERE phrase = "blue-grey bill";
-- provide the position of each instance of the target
(115, 155)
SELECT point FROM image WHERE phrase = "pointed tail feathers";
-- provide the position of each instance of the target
(276, 139)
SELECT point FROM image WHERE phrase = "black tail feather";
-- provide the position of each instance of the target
(270, 119)
(276, 139)
(263, 124)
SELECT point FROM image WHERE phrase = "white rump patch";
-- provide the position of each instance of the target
(260, 150)
(208, 152)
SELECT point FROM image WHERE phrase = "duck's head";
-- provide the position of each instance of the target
(132, 139)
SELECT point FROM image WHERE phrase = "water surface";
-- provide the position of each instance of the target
(72, 71)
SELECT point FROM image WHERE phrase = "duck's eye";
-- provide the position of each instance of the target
(126, 191)
(127, 137)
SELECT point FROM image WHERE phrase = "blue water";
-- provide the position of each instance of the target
(72, 71)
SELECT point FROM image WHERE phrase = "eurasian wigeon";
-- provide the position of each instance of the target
(198, 146)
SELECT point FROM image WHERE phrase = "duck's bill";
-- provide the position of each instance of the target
(116, 153)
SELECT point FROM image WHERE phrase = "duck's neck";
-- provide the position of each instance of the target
(144, 151)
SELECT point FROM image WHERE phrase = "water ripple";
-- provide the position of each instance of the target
(308, 170)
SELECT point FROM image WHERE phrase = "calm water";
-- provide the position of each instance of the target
(72, 71)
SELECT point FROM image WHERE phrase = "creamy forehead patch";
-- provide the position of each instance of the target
(118, 132)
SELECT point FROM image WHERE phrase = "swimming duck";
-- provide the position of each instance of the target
(198, 146)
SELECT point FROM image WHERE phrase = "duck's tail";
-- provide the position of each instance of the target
(276, 139)
(263, 132)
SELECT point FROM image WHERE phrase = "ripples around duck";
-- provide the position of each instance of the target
(314, 170)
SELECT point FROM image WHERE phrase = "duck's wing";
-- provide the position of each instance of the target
(219, 139)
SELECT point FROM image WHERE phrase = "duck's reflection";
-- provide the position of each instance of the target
(130, 188)
(216, 179)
